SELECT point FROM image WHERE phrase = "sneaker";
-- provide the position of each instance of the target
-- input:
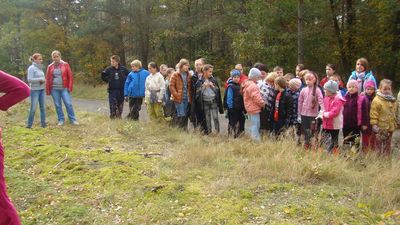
(75, 123)
(60, 123)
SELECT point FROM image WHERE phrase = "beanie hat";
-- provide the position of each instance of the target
(351, 83)
(254, 73)
(295, 83)
(331, 86)
(235, 73)
(369, 83)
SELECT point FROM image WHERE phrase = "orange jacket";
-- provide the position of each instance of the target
(176, 87)
(66, 74)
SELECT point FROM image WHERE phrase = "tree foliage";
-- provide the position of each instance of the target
(226, 32)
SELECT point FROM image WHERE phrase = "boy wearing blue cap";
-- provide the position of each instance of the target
(233, 102)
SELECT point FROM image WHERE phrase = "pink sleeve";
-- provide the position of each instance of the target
(15, 90)
(320, 99)
(336, 108)
(300, 102)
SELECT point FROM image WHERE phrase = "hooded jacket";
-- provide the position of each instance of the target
(135, 83)
(253, 101)
(369, 76)
(332, 118)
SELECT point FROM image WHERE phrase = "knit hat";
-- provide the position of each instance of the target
(295, 83)
(235, 73)
(331, 86)
(369, 83)
(351, 83)
(254, 73)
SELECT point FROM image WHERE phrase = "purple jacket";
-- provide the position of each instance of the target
(352, 115)
(365, 110)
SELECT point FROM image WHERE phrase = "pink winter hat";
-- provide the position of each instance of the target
(369, 84)
(351, 83)
(295, 83)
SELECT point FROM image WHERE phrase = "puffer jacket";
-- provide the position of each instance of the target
(66, 74)
(155, 82)
(384, 113)
(332, 118)
(176, 87)
(135, 83)
(253, 101)
(369, 76)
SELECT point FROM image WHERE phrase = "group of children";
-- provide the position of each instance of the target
(316, 111)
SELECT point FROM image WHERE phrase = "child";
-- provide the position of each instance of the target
(383, 117)
(267, 93)
(14, 91)
(332, 117)
(37, 81)
(288, 77)
(362, 74)
(278, 70)
(253, 102)
(294, 91)
(337, 79)
(283, 107)
(310, 98)
(154, 92)
(351, 114)
(169, 106)
(367, 140)
(209, 95)
(233, 102)
(330, 71)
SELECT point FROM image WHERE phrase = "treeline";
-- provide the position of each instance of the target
(225, 32)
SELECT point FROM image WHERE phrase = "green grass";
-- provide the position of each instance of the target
(95, 174)
(86, 91)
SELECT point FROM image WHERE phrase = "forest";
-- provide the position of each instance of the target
(225, 32)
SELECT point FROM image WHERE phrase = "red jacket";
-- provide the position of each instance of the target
(66, 74)
(15, 90)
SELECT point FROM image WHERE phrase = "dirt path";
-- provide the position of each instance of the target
(101, 107)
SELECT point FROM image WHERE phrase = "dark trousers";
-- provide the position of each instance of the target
(350, 134)
(116, 102)
(308, 125)
(330, 138)
(278, 127)
(265, 122)
(198, 118)
(236, 122)
(135, 104)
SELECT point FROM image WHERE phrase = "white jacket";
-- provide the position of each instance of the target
(155, 82)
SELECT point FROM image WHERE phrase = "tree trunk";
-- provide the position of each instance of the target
(300, 32)
(339, 37)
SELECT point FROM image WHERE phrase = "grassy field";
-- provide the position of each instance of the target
(85, 91)
(122, 172)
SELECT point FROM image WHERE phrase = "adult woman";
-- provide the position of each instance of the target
(37, 82)
(15, 91)
(59, 81)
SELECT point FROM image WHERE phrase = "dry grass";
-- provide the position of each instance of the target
(198, 179)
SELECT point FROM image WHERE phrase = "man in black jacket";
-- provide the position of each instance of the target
(115, 75)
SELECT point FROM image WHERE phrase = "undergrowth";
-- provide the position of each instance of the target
(125, 172)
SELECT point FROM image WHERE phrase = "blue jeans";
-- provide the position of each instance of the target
(255, 126)
(37, 96)
(181, 108)
(66, 98)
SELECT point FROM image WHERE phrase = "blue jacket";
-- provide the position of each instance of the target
(362, 81)
(135, 83)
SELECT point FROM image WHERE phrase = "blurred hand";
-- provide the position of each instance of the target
(375, 128)
(364, 127)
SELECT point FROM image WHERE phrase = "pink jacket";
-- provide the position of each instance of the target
(15, 90)
(332, 118)
(253, 101)
(305, 102)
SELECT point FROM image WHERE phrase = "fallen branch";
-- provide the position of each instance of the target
(150, 154)
(66, 156)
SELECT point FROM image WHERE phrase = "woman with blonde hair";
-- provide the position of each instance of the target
(37, 80)
(59, 81)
